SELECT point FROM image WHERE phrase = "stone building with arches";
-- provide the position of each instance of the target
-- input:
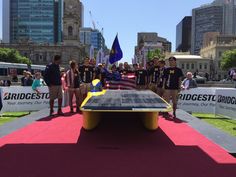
(70, 22)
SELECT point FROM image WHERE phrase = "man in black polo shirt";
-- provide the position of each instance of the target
(141, 78)
(126, 69)
(120, 69)
(87, 75)
(52, 77)
(172, 83)
(160, 79)
(154, 72)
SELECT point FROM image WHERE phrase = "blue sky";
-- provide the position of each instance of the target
(128, 17)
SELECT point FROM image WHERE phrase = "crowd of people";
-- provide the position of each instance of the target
(5, 83)
(26, 80)
(164, 80)
(156, 76)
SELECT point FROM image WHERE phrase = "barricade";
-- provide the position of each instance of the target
(24, 99)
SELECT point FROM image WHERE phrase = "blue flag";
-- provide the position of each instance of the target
(116, 53)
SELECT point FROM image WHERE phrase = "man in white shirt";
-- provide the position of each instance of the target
(188, 82)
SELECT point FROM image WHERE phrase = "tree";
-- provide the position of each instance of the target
(155, 53)
(12, 56)
(228, 59)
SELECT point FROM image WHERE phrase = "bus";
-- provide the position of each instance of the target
(9, 70)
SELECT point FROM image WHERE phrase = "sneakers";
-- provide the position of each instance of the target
(60, 113)
(174, 115)
(51, 112)
(71, 110)
(166, 115)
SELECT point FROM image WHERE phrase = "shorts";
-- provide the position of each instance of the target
(55, 92)
(153, 87)
(160, 91)
(84, 88)
(171, 95)
(141, 87)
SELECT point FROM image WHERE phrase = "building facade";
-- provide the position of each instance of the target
(193, 63)
(153, 38)
(215, 49)
(229, 15)
(209, 37)
(207, 18)
(42, 52)
(6, 22)
(72, 22)
(183, 35)
(92, 37)
(219, 16)
(147, 42)
(32, 21)
(167, 45)
(58, 20)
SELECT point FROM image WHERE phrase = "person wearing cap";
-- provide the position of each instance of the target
(172, 83)
(52, 77)
(28, 81)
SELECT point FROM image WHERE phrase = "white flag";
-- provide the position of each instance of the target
(100, 56)
(91, 52)
(106, 60)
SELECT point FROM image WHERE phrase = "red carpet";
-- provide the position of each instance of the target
(119, 147)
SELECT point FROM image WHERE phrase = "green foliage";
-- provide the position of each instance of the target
(6, 120)
(228, 59)
(222, 123)
(9, 117)
(12, 56)
(155, 53)
(150, 55)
